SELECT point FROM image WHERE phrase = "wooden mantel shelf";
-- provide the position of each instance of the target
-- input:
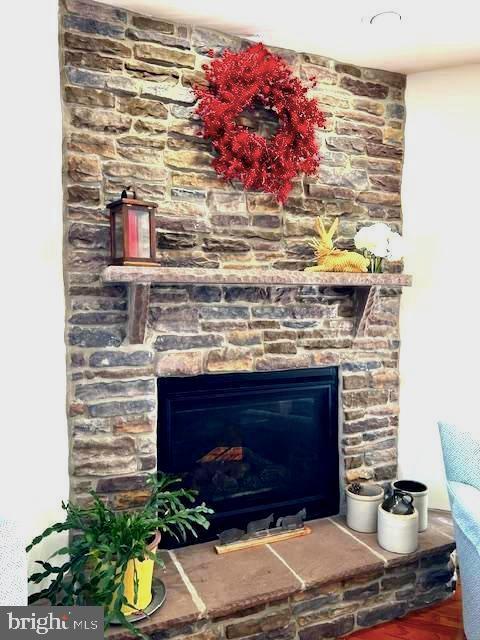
(260, 277)
(139, 280)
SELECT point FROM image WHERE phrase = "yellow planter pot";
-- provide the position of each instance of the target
(145, 577)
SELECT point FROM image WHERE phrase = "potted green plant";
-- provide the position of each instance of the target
(112, 554)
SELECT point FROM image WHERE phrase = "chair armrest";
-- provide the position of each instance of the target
(466, 510)
(461, 453)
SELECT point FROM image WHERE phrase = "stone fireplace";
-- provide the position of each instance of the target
(236, 307)
(129, 119)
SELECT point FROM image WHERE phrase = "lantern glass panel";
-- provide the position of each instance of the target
(118, 227)
(138, 232)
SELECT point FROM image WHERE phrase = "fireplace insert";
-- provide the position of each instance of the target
(253, 444)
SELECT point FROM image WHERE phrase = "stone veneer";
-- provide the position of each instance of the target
(129, 119)
(326, 585)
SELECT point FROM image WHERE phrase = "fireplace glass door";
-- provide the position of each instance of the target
(253, 444)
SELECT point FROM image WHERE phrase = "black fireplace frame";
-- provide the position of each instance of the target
(314, 379)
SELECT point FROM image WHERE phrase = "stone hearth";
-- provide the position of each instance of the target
(325, 585)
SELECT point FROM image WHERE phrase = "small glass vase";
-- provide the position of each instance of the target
(376, 264)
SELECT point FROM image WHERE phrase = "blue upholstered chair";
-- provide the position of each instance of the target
(461, 452)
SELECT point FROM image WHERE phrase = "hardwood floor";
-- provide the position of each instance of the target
(440, 622)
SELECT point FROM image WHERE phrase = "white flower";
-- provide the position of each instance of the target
(380, 240)
(395, 246)
(373, 238)
(380, 229)
(380, 250)
(361, 239)
(364, 239)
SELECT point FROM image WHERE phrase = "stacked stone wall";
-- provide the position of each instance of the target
(129, 118)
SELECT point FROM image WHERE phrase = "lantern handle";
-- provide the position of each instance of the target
(129, 192)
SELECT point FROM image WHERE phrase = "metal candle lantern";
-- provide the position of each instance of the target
(132, 230)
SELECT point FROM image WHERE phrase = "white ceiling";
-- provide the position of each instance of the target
(432, 33)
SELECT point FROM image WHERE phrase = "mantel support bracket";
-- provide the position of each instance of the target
(364, 301)
(138, 300)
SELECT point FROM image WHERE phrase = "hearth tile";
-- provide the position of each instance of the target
(326, 555)
(238, 580)
(179, 608)
(431, 541)
(442, 521)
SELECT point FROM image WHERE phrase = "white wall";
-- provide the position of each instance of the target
(33, 449)
(439, 322)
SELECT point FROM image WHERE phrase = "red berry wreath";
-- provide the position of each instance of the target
(237, 81)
